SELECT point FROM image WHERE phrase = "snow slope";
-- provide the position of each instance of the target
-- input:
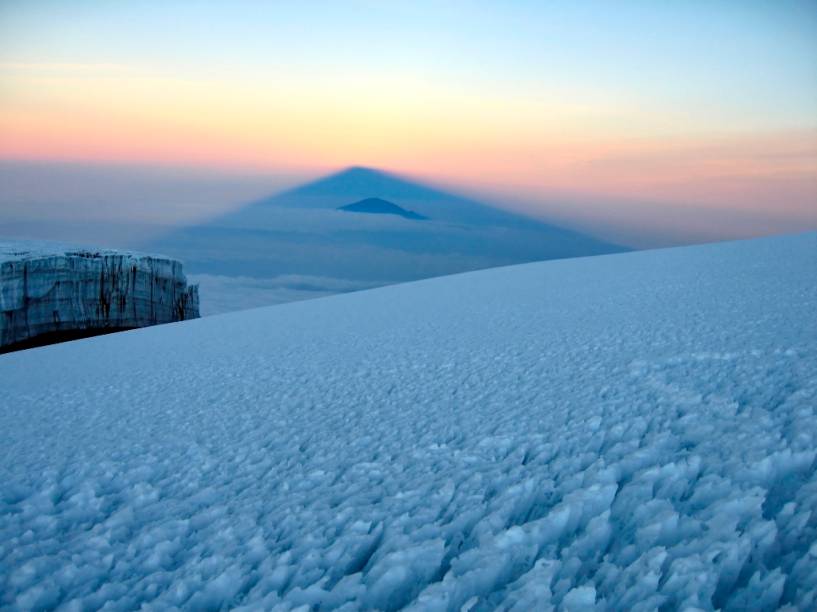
(634, 431)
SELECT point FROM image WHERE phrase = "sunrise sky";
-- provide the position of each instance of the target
(700, 104)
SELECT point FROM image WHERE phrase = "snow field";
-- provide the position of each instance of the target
(635, 431)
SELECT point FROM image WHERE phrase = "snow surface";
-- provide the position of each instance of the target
(633, 431)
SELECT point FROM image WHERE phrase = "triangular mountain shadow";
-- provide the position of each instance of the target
(301, 233)
(362, 182)
(358, 183)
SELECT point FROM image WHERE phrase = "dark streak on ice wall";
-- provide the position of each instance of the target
(49, 293)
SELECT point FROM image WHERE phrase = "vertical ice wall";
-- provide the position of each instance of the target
(47, 291)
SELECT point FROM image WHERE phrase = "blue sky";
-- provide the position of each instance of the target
(706, 104)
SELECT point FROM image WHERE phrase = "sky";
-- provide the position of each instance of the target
(611, 115)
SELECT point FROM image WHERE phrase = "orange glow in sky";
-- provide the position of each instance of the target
(530, 103)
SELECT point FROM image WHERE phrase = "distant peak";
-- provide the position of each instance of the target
(379, 206)
(374, 202)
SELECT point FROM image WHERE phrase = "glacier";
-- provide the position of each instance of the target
(50, 292)
(633, 431)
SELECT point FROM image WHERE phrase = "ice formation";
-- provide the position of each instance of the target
(627, 432)
(52, 292)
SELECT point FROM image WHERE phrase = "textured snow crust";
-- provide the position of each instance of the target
(629, 432)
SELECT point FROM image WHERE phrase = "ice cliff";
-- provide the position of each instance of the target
(49, 292)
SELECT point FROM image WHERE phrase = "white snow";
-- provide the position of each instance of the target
(633, 431)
